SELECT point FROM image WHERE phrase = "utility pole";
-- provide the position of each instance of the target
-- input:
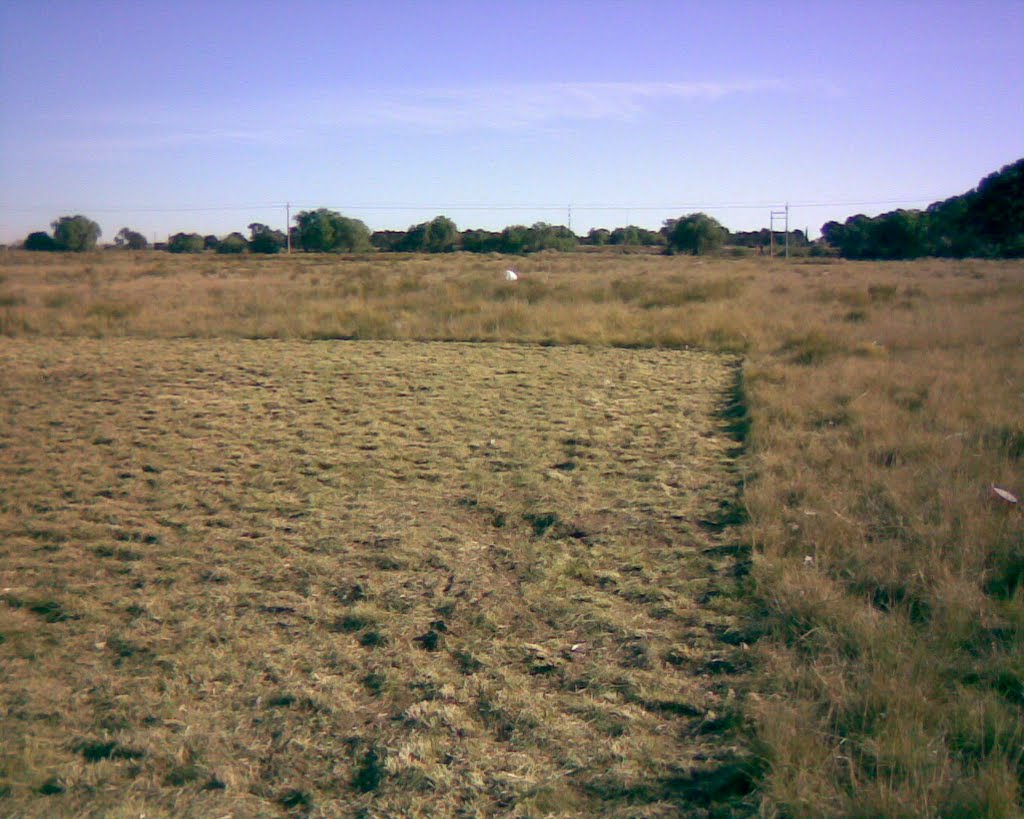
(569, 210)
(288, 225)
(779, 216)
(787, 230)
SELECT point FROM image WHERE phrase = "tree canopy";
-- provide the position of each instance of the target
(186, 243)
(440, 235)
(232, 243)
(41, 240)
(130, 239)
(987, 222)
(76, 234)
(696, 233)
(324, 230)
(263, 239)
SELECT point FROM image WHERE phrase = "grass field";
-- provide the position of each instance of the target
(250, 568)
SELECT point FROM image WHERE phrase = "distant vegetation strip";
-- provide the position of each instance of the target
(987, 222)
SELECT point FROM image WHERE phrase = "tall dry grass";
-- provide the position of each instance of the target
(886, 400)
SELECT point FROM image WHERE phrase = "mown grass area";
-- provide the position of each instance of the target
(884, 401)
(397, 578)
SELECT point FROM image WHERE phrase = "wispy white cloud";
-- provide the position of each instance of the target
(534, 104)
(479, 108)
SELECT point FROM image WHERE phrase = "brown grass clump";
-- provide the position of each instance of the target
(880, 403)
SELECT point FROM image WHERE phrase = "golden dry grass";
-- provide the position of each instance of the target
(252, 577)
(885, 400)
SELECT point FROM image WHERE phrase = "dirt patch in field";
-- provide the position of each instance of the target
(379, 576)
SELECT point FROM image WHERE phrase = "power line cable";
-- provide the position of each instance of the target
(489, 206)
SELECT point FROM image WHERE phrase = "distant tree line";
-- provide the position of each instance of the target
(763, 238)
(325, 231)
(629, 236)
(986, 222)
(262, 239)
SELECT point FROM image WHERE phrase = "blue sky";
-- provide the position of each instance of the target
(208, 116)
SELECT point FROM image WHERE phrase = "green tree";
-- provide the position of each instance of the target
(263, 239)
(323, 230)
(539, 236)
(696, 233)
(442, 235)
(388, 240)
(598, 236)
(351, 235)
(629, 235)
(514, 239)
(650, 238)
(316, 229)
(481, 241)
(987, 221)
(901, 234)
(186, 243)
(130, 239)
(439, 235)
(232, 243)
(413, 240)
(41, 240)
(552, 237)
(851, 238)
(76, 233)
(948, 230)
(996, 210)
(897, 235)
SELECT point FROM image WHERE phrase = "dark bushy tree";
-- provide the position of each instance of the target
(633, 236)
(898, 235)
(696, 233)
(751, 238)
(387, 240)
(514, 239)
(413, 240)
(537, 237)
(598, 237)
(233, 243)
(76, 233)
(901, 234)
(186, 243)
(351, 235)
(987, 222)
(442, 235)
(316, 229)
(41, 240)
(263, 239)
(481, 241)
(324, 230)
(995, 211)
(629, 235)
(651, 238)
(130, 239)
(552, 237)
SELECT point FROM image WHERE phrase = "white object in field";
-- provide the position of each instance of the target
(1002, 494)
(511, 275)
